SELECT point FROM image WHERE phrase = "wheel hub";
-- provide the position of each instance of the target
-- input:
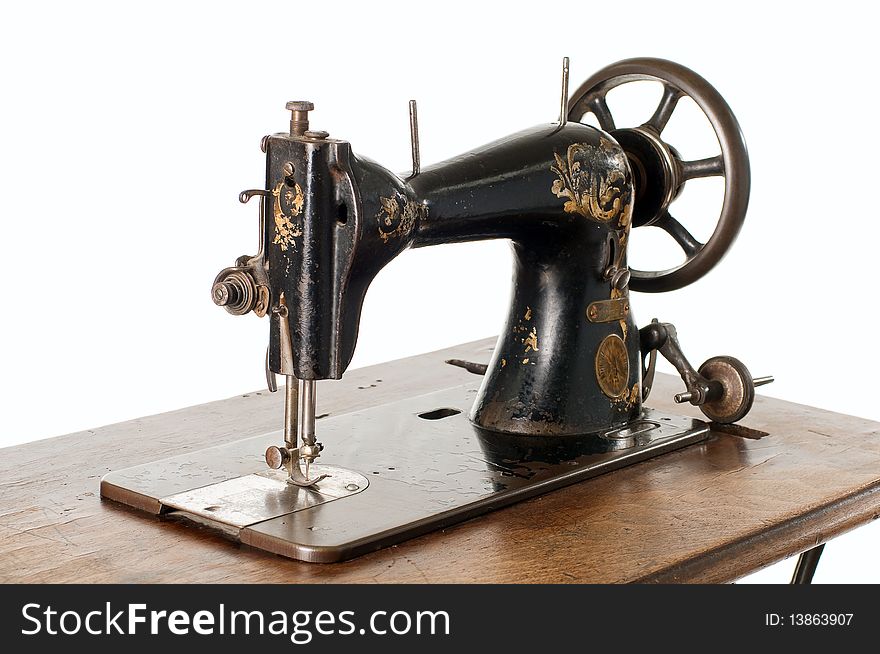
(656, 177)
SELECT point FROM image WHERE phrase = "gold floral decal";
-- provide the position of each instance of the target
(593, 178)
(285, 229)
(629, 401)
(528, 336)
(394, 221)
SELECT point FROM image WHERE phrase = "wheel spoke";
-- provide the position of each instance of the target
(663, 113)
(711, 167)
(600, 109)
(682, 236)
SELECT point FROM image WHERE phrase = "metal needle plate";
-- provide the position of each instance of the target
(427, 467)
(254, 498)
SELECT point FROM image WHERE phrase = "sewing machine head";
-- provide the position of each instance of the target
(570, 359)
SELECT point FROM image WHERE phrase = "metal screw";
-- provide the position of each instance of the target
(316, 134)
(352, 487)
(299, 116)
(288, 169)
(620, 278)
(221, 293)
(276, 457)
(264, 143)
(300, 105)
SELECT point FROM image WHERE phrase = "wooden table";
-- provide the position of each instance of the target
(712, 512)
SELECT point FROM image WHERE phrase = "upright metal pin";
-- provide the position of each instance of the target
(563, 102)
(414, 137)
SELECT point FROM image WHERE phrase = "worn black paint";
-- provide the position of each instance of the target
(500, 190)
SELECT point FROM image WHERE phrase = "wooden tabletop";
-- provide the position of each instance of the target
(712, 512)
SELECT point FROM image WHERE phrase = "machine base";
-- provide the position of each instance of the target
(398, 470)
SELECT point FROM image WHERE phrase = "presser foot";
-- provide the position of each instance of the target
(399, 470)
(297, 477)
(290, 459)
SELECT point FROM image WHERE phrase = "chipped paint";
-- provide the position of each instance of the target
(594, 179)
(395, 220)
(630, 400)
(531, 341)
(285, 229)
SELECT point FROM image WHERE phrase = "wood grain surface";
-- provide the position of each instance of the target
(710, 513)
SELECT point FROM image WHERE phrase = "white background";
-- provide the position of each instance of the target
(128, 130)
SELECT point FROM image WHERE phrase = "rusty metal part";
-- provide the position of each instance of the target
(663, 337)
(281, 330)
(738, 430)
(470, 366)
(277, 457)
(737, 389)
(414, 138)
(619, 278)
(612, 366)
(299, 116)
(244, 287)
(608, 310)
(648, 374)
(236, 291)
(659, 172)
(723, 388)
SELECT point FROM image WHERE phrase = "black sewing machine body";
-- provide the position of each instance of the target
(543, 377)
(562, 395)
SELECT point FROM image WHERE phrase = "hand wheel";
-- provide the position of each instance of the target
(659, 173)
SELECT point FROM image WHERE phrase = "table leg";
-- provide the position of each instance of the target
(806, 565)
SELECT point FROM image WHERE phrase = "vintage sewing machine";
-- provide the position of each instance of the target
(562, 398)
